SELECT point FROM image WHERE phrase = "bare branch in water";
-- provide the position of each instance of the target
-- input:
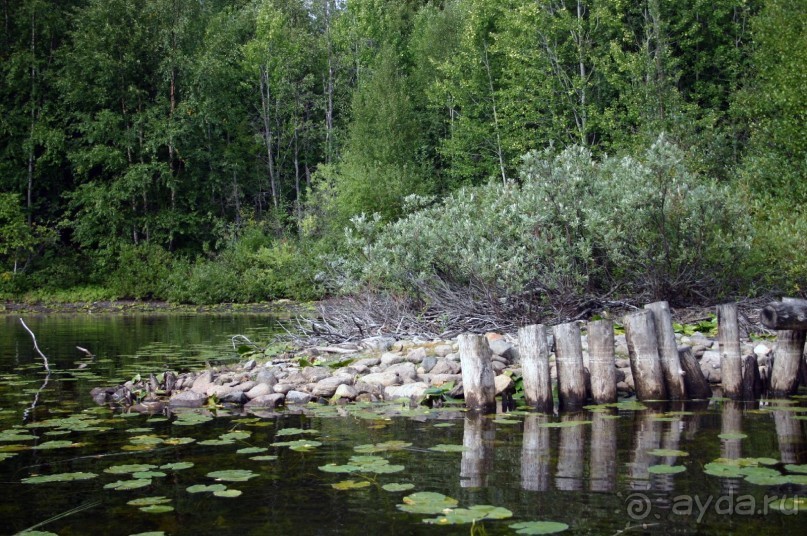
(36, 346)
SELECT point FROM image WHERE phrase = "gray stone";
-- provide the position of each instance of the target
(502, 348)
(442, 350)
(428, 363)
(187, 399)
(497, 366)
(219, 391)
(622, 363)
(235, 397)
(315, 374)
(438, 380)
(762, 350)
(409, 390)
(260, 390)
(416, 356)
(249, 365)
(391, 358)
(367, 362)
(296, 378)
(620, 375)
(378, 343)
(297, 397)
(444, 366)
(203, 383)
(381, 378)
(405, 371)
(346, 391)
(503, 384)
(327, 387)
(362, 387)
(622, 387)
(266, 401)
(453, 357)
(283, 388)
(245, 386)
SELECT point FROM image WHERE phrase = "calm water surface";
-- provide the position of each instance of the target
(594, 476)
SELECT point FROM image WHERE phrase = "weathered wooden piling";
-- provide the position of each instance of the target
(789, 318)
(752, 381)
(534, 350)
(728, 336)
(602, 366)
(569, 362)
(645, 364)
(697, 385)
(668, 350)
(477, 373)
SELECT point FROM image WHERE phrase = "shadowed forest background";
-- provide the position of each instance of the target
(549, 153)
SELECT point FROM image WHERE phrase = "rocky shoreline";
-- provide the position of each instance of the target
(375, 369)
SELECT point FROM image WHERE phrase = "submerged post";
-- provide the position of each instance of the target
(668, 350)
(601, 361)
(696, 384)
(645, 364)
(477, 373)
(569, 361)
(728, 336)
(789, 320)
(534, 351)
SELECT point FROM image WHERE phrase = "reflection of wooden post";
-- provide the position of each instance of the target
(535, 453)
(668, 350)
(789, 435)
(571, 448)
(647, 436)
(477, 373)
(602, 469)
(534, 352)
(648, 378)
(697, 385)
(569, 361)
(787, 361)
(728, 335)
(731, 419)
(477, 438)
(602, 366)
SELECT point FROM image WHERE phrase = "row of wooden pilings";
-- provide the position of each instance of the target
(661, 370)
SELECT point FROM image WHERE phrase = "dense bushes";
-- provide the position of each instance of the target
(641, 227)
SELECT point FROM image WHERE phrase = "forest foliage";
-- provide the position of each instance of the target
(248, 150)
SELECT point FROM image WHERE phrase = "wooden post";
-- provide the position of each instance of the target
(535, 453)
(477, 373)
(602, 366)
(697, 385)
(648, 378)
(668, 350)
(602, 468)
(534, 350)
(787, 362)
(731, 366)
(790, 313)
(569, 361)
(752, 381)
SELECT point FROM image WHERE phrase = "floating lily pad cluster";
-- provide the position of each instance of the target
(363, 464)
(757, 471)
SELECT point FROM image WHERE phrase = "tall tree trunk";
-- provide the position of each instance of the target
(267, 133)
(499, 151)
(31, 154)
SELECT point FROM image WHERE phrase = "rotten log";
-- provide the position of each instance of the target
(790, 313)
(697, 385)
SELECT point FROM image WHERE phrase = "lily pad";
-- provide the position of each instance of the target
(382, 447)
(563, 424)
(157, 509)
(201, 488)
(444, 425)
(480, 512)
(126, 485)
(58, 477)
(268, 458)
(176, 466)
(792, 468)
(217, 442)
(251, 450)
(667, 452)
(790, 505)
(149, 501)
(448, 448)
(232, 475)
(539, 527)
(397, 487)
(666, 469)
(59, 444)
(426, 502)
(191, 419)
(228, 493)
(148, 474)
(295, 431)
(350, 484)
(129, 468)
(300, 445)
(241, 434)
(174, 441)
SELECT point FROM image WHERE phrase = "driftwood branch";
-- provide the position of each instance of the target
(36, 346)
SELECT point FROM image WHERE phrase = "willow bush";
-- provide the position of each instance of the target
(642, 226)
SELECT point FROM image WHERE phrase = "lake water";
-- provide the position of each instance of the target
(363, 469)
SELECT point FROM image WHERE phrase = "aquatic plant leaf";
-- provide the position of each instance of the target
(382, 447)
(174, 441)
(126, 485)
(251, 450)
(138, 430)
(228, 493)
(129, 468)
(799, 480)
(444, 425)
(479, 512)
(630, 405)
(539, 527)
(350, 484)
(146, 440)
(232, 475)
(666, 469)
(7, 455)
(333, 468)
(264, 458)
(201, 488)
(148, 474)
(393, 487)
(792, 468)
(790, 505)
(448, 448)
(295, 431)
(506, 421)
(157, 509)
(426, 502)
(58, 477)
(148, 501)
(667, 452)
(300, 445)
(176, 466)
(722, 470)
(563, 424)
(9, 436)
(240, 434)
(216, 442)
(152, 533)
(191, 419)
(732, 435)
(767, 479)
(58, 444)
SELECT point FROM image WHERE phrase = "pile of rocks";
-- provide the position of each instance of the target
(377, 368)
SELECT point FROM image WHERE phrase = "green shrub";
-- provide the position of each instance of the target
(643, 227)
(142, 271)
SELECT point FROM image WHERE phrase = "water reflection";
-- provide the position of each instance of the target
(571, 454)
(477, 458)
(647, 437)
(602, 469)
(790, 436)
(535, 453)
